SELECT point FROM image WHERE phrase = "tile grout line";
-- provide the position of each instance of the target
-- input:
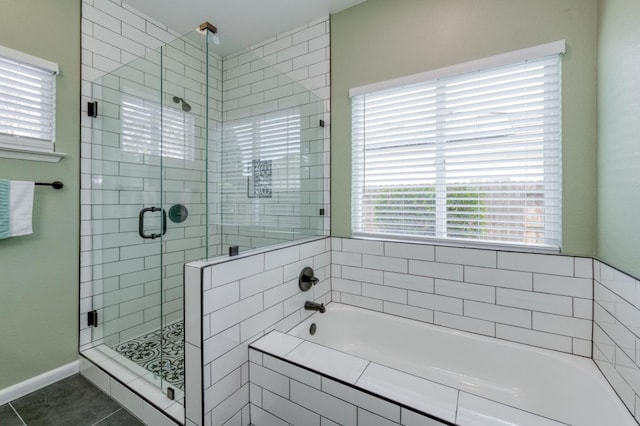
(362, 373)
(17, 414)
(106, 417)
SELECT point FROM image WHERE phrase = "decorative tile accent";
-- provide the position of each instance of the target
(160, 352)
(261, 185)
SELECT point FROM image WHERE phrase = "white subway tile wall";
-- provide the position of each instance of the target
(283, 393)
(531, 307)
(116, 184)
(540, 300)
(275, 94)
(616, 332)
(240, 316)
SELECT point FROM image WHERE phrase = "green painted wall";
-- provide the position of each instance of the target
(39, 272)
(382, 39)
(619, 134)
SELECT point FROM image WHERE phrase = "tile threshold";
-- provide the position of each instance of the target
(137, 379)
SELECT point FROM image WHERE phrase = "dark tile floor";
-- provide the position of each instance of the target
(73, 401)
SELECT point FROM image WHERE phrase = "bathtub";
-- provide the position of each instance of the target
(562, 387)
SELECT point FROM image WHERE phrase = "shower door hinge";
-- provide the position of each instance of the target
(171, 393)
(321, 123)
(92, 318)
(92, 109)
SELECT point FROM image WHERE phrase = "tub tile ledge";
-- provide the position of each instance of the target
(328, 361)
(277, 343)
(412, 391)
(475, 410)
(440, 401)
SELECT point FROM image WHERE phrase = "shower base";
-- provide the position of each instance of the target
(160, 352)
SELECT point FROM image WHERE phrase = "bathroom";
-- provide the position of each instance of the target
(576, 299)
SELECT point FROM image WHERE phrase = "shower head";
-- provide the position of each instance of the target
(185, 106)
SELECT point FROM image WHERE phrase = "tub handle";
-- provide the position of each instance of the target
(307, 279)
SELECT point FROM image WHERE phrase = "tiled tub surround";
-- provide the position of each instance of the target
(540, 300)
(231, 302)
(409, 373)
(283, 393)
(616, 332)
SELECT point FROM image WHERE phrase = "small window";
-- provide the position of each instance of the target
(470, 158)
(27, 102)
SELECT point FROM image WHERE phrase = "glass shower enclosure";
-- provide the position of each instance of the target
(198, 150)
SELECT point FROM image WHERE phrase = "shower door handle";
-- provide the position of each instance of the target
(141, 222)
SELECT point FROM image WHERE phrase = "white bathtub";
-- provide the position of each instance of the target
(558, 386)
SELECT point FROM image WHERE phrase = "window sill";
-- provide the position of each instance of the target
(520, 248)
(31, 155)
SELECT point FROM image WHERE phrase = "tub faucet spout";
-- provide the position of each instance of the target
(313, 306)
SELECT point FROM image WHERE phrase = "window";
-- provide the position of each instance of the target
(27, 102)
(150, 128)
(274, 140)
(261, 165)
(464, 157)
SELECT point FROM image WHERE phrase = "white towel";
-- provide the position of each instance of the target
(16, 208)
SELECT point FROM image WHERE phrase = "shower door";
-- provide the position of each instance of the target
(149, 207)
(128, 217)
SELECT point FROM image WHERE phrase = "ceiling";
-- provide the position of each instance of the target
(243, 22)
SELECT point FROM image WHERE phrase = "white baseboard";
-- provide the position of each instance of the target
(38, 382)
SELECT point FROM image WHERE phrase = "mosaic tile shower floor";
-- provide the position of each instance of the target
(160, 352)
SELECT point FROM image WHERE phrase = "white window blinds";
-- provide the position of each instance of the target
(150, 128)
(275, 139)
(27, 101)
(473, 157)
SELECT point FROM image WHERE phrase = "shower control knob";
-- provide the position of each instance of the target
(306, 280)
